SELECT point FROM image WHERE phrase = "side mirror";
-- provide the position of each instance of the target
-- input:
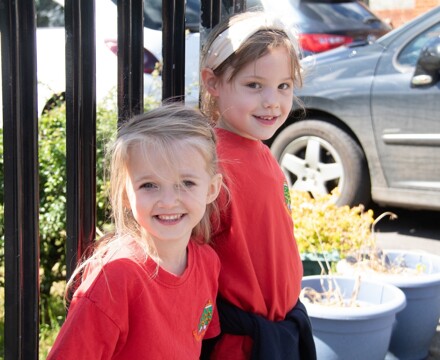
(428, 64)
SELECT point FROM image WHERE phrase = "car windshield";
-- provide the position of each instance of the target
(314, 14)
(335, 12)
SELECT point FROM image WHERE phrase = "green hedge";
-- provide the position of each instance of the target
(52, 210)
(52, 170)
(52, 192)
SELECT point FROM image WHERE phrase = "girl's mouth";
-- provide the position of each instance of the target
(169, 219)
(268, 120)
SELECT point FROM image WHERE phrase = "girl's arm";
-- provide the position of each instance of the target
(87, 333)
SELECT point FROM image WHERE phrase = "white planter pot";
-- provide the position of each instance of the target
(361, 333)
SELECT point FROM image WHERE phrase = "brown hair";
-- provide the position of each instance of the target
(255, 47)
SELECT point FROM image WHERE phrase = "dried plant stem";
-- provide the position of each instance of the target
(392, 216)
(355, 293)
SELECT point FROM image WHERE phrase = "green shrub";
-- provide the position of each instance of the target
(52, 216)
(52, 170)
(52, 211)
(52, 193)
(322, 227)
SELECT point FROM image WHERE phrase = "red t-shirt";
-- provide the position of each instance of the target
(126, 310)
(261, 267)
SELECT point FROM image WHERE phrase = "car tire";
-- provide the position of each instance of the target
(318, 157)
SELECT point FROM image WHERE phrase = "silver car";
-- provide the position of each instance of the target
(369, 122)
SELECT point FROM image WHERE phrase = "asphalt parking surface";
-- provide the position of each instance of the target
(412, 230)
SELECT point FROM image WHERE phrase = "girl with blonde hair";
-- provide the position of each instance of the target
(148, 291)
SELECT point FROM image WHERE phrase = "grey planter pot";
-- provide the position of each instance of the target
(416, 324)
(355, 333)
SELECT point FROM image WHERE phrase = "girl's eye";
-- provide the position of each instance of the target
(149, 186)
(185, 185)
(188, 183)
(254, 85)
(284, 86)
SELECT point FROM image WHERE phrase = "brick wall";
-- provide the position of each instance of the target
(399, 12)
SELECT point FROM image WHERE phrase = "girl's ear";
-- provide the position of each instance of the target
(210, 81)
(214, 188)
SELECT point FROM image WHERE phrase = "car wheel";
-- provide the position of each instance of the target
(318, 157)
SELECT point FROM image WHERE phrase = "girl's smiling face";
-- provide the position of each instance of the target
(259, 99)
(169, 201)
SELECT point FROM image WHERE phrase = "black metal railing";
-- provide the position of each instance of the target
(20, 159)
(20, 124)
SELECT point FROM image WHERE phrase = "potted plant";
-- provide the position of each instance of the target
(322, 230)
(417, 274)
(325, 232)
(351, 319)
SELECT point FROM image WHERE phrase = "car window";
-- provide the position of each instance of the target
(410, 53)
(49, 13)
(324, 10)
(335, 12)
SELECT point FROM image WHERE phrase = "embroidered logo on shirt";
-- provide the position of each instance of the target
(204, 321)
(287, 196)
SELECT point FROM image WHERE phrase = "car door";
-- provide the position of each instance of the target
(406, 119)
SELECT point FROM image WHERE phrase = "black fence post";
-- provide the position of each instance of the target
(17, 25)
(81, 128)
(210, 14)
(130, 59)
(238, 5)
(173, 50)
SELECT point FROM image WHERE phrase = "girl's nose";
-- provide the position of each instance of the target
(169, 196)
(270, 98)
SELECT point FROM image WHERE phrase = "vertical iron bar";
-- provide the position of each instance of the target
(234, 6)
(20, 134)
(210, 14)
(130, 59)
(81, 128)
(239, 6)
(173, 50)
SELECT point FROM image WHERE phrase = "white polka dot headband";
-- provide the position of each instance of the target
(233, 37)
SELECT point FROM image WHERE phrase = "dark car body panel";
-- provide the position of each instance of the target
(367, 91)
